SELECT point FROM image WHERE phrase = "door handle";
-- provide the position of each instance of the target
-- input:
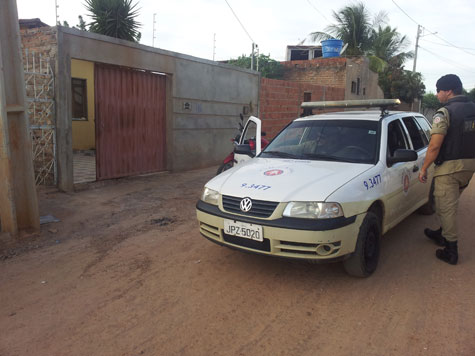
(415, 168)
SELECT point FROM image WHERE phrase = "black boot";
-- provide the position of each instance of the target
(449, 253)
(436, 236)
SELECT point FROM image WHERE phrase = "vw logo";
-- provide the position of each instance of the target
(246, 205)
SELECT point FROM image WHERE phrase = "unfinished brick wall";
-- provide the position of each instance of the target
(39, 49)
(320, 71)
(280, 101)
(41, 40)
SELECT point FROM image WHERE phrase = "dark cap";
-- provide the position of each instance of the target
(449, 82)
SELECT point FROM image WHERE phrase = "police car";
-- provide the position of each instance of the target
(326, 188)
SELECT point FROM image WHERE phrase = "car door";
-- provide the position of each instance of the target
(251, 132)
(396, 177)
(419, 142)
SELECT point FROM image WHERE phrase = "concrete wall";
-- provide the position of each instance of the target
(358, 67)
(203, 105)
(84, 134)
(280, 101)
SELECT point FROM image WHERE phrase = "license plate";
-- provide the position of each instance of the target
(242, 229)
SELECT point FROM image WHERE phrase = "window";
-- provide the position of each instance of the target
(327, 140)
(355, 87)
(307, 96)
(418, 136)
(251, 130)
(317, 53)
(298, 54)
(424, 124)
(79, 99)
(396, 137)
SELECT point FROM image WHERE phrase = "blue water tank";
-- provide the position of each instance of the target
(331, 48)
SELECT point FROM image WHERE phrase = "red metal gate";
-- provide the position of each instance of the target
(130, 121)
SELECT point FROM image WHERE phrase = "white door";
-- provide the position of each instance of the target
(397, 178)
(419, 143)
(251, 132)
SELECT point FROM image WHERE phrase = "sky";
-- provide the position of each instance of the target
(225, 29)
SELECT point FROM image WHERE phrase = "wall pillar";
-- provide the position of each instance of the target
(64, 126)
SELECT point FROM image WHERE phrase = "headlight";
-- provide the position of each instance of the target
(210, 196)
(313, 210)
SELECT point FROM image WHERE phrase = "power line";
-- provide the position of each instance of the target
(315, 8)
(441, 44)
(405, 13)
(446, 60)
(431, 32)
(237, 18)
(460, 48)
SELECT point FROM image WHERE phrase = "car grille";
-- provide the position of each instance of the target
(260, 208)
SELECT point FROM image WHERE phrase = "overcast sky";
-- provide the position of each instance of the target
(207, 28)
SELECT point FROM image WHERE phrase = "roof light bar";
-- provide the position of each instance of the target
(370, 103)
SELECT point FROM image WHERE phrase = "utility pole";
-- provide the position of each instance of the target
(153, 37)
(417, 46)
(214, 46)
(252, 56)
(257, 58)
(56, 10)
(18, 196)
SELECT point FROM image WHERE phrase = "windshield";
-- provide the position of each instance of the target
(327, 140)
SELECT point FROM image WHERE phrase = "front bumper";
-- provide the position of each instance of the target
(320, 240)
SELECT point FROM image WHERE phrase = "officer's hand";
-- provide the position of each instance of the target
(423, 176)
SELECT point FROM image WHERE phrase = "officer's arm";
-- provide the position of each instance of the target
(431, 155)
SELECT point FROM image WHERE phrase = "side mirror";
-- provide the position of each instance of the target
(263, 133)
(402, 155)
(244, 150)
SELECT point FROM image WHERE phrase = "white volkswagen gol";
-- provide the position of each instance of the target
(325, 189)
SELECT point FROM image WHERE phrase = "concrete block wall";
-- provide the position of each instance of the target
(280, 101)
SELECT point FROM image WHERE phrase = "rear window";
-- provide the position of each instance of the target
(327, 140)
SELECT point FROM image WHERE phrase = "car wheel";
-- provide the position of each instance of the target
(364, 260)
(224, 167)
(429, 207)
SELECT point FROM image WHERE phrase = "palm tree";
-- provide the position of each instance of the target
(115, 18)
(353, 26)
(387, 46)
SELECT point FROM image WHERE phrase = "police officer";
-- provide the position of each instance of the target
(452, 149)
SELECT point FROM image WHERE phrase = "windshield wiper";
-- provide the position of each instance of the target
(321, 157)
(280, 154)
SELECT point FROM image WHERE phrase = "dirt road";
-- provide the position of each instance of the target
(126, 272)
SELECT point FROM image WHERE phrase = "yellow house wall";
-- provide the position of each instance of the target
(84, 131)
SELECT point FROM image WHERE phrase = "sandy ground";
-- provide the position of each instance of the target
(126, 272)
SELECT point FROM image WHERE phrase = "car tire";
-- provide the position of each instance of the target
(224, 167)
(429, 207)
(364, 260)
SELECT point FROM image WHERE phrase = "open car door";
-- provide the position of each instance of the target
(250, 142)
